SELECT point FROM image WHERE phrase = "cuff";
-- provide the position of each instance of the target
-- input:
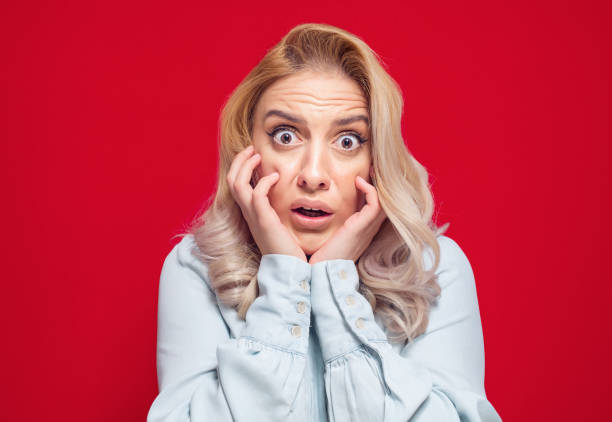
(342, 317)
(280, 315)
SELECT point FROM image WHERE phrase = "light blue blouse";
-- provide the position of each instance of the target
(311, 349)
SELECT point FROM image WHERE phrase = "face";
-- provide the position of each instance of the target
(311, 128)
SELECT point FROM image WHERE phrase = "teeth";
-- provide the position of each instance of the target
(311, 209)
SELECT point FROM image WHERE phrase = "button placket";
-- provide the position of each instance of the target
(301, 307)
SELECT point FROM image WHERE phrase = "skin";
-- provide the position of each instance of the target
(321, 161)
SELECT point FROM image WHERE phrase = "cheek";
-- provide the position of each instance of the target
(277, 195)
(353, 199)
(349, 199)
(272, 162)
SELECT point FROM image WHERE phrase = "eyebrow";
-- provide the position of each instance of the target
(298, 120)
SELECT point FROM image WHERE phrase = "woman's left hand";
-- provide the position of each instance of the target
(355, 235)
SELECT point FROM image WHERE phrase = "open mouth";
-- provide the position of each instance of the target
(310, 212)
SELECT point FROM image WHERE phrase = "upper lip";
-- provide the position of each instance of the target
(309, 203)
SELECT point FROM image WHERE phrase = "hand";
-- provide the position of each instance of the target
(355, 235)
(271, 236)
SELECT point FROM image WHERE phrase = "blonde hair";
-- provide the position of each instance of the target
(391, 270)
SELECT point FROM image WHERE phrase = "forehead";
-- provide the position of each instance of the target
(312, 91)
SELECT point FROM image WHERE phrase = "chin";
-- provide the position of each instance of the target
(312, 244)
(309, 251)
(308, 248)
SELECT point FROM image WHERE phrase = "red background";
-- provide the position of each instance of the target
(109, 122)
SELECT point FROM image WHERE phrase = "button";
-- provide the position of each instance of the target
(296, 330)
(359, 323)
(350, 300)
(304, 284)
(342, 274)
(301, 307)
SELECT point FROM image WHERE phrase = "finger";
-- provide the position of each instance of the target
(237, 162)
(374, 211)
(261, 202)
(371, 206)
(242, 184)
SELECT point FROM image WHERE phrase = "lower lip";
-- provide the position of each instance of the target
(306, 222)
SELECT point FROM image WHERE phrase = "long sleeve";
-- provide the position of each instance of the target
(203, 373)
(437, 377)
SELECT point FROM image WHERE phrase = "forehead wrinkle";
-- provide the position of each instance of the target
(296, 103)
(337, 99)
(293, 98)
(337, 118)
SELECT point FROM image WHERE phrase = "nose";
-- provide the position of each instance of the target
(314, 173)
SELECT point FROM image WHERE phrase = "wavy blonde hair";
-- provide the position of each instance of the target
(391, 270)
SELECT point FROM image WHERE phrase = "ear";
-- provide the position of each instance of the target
(371, 174)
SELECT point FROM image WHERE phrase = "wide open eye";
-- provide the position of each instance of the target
(283, 135)
(350, 141)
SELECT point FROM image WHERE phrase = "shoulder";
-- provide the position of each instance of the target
(455, 276)
(454, 265)
(452, 257)
(182, 259)
(186, 294)
(452, 345)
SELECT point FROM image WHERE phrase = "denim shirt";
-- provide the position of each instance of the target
(312, 349)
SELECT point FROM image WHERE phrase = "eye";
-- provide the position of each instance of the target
(283, 135)
(350, 141)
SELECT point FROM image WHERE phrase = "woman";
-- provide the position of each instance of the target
(315, 286)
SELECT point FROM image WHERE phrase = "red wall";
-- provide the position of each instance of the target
(109, 122)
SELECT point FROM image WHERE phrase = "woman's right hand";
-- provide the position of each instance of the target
(271, 236)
